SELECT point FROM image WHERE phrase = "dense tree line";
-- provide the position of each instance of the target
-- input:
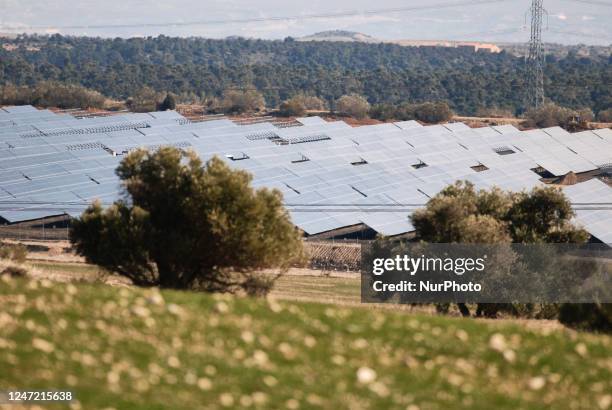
(383, 73)
(51, 94)
(428, 112)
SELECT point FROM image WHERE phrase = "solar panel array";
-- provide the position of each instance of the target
(363, 175)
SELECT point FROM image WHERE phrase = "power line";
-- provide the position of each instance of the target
(412, 204)
(61, 211)
(498, 32)
(575, 33)
(373, 211)
(288, 204)
(592, 2)
(266, 19)
(300, 208)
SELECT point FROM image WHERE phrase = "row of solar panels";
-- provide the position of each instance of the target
(47, 157)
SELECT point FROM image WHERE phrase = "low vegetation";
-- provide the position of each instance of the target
(168, 103)
(144, 348)
(13, 252)
(429, 112)
(242, 101)
(250, 101)
(494, 112)
(51, 94)
(605, 115)
(299, 104)
(144, 100)
(551, 115)
(353, 105)
(343, 290)
(148, 100)
(587, 316)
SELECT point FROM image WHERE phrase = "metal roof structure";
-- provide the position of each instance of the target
(371, 175)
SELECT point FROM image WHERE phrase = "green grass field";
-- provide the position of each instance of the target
(129, 348)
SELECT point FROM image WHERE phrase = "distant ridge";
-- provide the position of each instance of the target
(352, 36)
(341, 35)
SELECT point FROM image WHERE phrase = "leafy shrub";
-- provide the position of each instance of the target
(299, 104)
(258, 285)
(311, 102)
(587, 316)
(605, 115)
(17, 252)
(585, 114)
(551, 115)
(239, 102)
(385, 112)
(169, 103)
(292, 108)
(20, 253)
(183, 225)
(144, 100)
(14, 271)
(5, 252)
(429, 112)
(494, 112)
(432, 113)
(353, 105)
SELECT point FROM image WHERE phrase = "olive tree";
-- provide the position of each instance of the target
(454, 215)
(183, 224)
(461, 214)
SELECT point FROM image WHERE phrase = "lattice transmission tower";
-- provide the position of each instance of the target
(535, 58)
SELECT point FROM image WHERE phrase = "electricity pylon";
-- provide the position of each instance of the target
(535, 59)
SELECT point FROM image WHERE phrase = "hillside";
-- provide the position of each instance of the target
(145, 349)
(197, 68)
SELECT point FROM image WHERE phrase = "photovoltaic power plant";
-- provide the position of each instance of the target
(333, 176)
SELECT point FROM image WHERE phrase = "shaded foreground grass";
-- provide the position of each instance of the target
(131, 348)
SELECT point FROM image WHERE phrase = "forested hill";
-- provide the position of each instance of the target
(279, 69)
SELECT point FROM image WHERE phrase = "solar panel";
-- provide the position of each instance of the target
(456, 126)
(46, 155)
(311, 121)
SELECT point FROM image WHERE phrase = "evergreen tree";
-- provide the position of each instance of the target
(169, 103)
